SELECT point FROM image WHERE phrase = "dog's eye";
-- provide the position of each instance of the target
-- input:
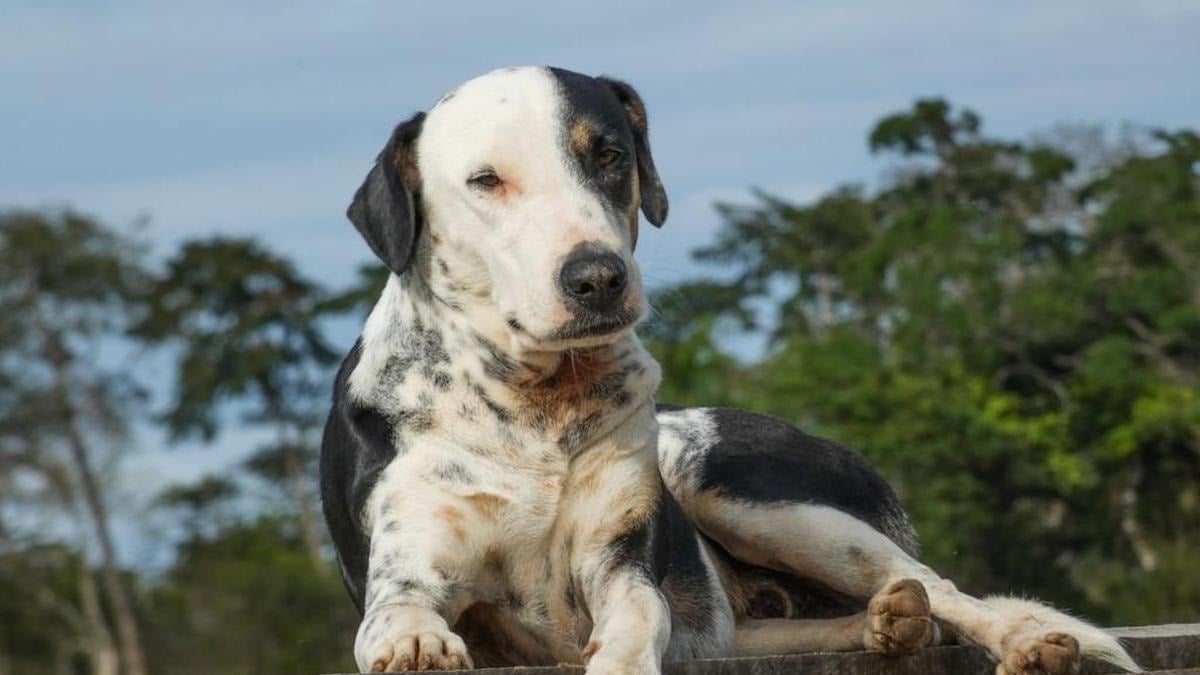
(608, 156)
(486, 179)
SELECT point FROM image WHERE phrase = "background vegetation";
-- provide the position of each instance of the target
(1009, 330)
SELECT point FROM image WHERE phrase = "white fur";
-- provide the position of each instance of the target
(511, 244)
(684, 437)
(1041, 618)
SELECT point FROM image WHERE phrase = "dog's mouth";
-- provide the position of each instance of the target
(586, 330)
(585, 327)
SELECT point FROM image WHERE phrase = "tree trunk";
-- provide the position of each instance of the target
(104, 657)
(310, 529)
(128, 638)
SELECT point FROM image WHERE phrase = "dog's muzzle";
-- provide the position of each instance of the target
(594, 284)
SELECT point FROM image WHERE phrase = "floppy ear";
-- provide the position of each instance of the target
(654, 197)
(387, 207)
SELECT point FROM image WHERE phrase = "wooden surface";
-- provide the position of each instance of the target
(1170, 648)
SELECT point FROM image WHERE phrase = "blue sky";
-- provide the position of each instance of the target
(260, 118)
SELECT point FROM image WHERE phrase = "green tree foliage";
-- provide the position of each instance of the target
(51, 615)
(66, 293)
(247, 324)
(1016, 345)
(245, 597)
(245, 320)
(360, 297)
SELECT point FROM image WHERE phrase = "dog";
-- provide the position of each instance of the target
(500, 485)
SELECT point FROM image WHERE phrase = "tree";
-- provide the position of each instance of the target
(247, 325)
(248, 598)
(66, 292)
(231, 598)
(361, 296)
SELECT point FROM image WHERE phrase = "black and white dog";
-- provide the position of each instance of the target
(499, 483)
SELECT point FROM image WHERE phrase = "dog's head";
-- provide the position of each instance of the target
(525, 185)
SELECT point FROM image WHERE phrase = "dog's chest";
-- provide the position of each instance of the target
(488, 454)
(509, 523)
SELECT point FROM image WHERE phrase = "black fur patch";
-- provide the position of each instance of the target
(356, 448)
(589, 102)
(496, 364)
(578, 431)
(504, 415)
(763, 459)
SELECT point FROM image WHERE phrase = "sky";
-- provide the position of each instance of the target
(261, 118)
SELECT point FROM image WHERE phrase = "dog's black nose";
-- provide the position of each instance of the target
(593, 279)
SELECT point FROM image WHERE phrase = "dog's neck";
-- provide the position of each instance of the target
(417, 343)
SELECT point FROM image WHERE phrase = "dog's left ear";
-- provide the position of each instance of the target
(387, 207)
(654, 197)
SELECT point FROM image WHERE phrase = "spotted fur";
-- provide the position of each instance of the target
(498, 482)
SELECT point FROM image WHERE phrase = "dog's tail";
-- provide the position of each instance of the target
(1094, 643)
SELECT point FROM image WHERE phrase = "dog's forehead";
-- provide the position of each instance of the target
(520, 104)
(491, 112)
(527, 86)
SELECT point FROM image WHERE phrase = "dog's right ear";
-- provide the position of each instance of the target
(387, 207)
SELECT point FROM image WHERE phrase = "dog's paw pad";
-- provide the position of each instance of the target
(899, 619)
(1048, 654)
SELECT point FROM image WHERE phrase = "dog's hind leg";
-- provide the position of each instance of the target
(776, 498)
(766, 637)
(831, 547)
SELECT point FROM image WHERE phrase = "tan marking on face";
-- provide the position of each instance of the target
(590, 650)
(454, 519)
(582, 134)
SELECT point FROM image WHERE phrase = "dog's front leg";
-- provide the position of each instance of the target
(614, 564)
(632, 624)
(420, 552)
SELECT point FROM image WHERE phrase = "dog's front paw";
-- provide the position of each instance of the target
(1046, 654)
(402, 639)
(899, 619)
